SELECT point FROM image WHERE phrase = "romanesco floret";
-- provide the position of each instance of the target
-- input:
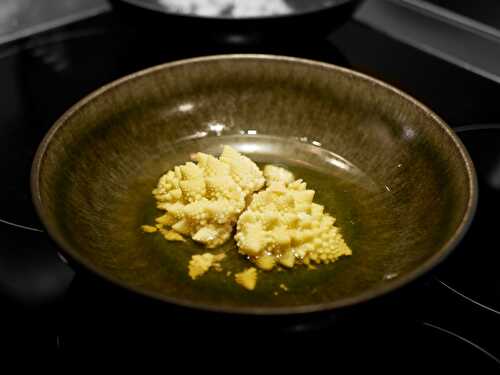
(274, 174)
(204, 199)
(283, 225)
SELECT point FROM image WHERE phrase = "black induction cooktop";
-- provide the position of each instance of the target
(446, 320)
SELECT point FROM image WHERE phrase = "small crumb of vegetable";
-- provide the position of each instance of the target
(199, 264)
(218, 268)
(247, 278)
(148, 229)
(284, 287)
(171, 235)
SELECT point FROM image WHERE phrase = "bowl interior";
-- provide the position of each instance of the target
(398, 181)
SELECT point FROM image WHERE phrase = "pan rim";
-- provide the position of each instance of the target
(365, 296)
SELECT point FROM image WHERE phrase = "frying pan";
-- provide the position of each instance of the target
(307, 17)
(397, 178)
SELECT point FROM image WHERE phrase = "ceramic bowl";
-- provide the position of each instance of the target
(396, 177)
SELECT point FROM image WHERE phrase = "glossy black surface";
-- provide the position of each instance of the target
(384, 336)
(472, 269)
(46, 307)
(21, 18)
(484, 11)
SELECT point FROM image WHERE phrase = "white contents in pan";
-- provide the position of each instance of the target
(228, 8)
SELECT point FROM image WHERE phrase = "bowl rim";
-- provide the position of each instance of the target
(365, 296)
(155, 7)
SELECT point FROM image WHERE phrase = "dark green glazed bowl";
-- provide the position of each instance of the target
(399, 181)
